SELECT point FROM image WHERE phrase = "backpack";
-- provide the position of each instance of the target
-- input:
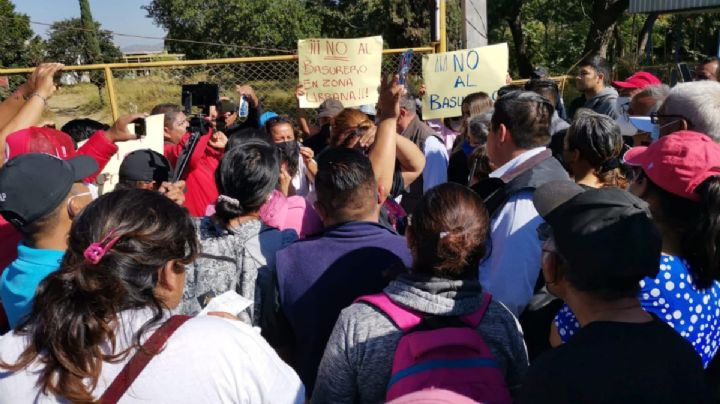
(442, 352)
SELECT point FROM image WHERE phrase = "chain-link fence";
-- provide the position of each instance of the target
(86, 93)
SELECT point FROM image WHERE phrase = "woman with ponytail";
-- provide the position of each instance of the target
(448, 236)
(592, 151)
(679, 177)
(238, 249)
(122, 274)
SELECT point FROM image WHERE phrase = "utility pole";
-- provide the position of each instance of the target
(474, 17)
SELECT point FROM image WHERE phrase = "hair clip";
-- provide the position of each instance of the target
(443, 234)
(232, 201)
(96, 251)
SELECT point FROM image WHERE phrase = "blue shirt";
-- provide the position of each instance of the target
(21, 278)
(672, 297)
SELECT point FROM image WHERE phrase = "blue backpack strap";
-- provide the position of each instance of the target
(405, 319)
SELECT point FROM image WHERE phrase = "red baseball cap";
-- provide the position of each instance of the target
(679, 162)
(39, 140)
(638, 80)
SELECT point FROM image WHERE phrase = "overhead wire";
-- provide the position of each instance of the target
(166, 39)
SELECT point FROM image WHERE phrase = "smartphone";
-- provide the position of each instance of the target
(685, 72)
(405, 64)
(140, 128)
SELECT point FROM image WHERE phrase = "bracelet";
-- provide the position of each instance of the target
(35, 94)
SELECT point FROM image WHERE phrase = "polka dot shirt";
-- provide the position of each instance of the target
(673, 298)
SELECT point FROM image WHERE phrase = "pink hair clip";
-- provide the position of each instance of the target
(96, 251)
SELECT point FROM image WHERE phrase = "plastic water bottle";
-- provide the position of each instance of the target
(243, 108)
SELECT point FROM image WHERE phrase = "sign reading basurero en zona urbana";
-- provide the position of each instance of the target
(451, 76)
(347, 70)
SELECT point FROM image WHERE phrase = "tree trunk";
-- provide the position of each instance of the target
(522, 52)
(605, 15)
(645, 32)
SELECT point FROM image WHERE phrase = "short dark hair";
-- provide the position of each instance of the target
(527, 116)
(712, 59)
(169, 110)
(547, 88)
(81, 129)
(507, 89)
(598, 139)
(450, 231)
(276, 121)
(238, 135)
(247, 175)
(345, 183)
(599, 64)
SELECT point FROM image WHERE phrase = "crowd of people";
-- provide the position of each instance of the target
(521, 252)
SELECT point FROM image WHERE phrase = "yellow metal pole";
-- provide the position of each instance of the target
(443, 28)
(111, 92)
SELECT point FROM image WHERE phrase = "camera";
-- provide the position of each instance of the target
(140, 127)
(202, 95)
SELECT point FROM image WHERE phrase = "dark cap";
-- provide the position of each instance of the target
(329, 108)
(145, 165)
(228, 106)
(33, 185)
(606, 235)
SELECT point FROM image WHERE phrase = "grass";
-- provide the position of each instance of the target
(141, 94)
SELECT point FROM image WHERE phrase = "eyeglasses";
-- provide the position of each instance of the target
(655, 117)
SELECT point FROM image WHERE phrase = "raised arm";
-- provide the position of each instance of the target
(382, 154)
(411, 159)
(28, 114)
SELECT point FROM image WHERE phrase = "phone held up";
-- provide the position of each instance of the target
(140, 127)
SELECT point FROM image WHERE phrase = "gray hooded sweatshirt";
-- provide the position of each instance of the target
(358, 358)
(605, 102)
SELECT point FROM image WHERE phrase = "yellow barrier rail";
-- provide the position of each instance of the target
(109, 68)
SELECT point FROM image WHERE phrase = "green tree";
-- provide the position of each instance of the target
(67, 43)
(15, 34)
(92, 44)
(247, 27)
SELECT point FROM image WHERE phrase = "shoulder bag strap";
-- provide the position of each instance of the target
(142, 357)
(403, 318)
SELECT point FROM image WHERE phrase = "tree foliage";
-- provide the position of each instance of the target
(67, 43)
(246, 26)
(16, 37)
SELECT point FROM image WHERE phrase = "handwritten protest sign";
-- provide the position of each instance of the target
(153, 140)
(347, 70)
(450, 76)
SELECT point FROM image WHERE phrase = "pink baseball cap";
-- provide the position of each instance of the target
(679, 162)
(638, 80)
(39, 140)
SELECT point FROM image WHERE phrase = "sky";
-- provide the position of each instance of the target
(123, 16)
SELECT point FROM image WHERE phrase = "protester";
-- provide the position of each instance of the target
(353, 256)
(448, 237)
(411, 127)
(42, 194)
(199, 177)
(121, 276)
(317, 138)
(282, 133)
(238, 249)
(477, 129)
(148, 169)
(690, 106)
(627, 90)
(593, 151)
(598, 245)
(480, 166)
(549, 89)
(592, 81)
(25, 106)
(642, 106)
(708, 69)
(81, 130)
(519, 132)
(679, 177)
